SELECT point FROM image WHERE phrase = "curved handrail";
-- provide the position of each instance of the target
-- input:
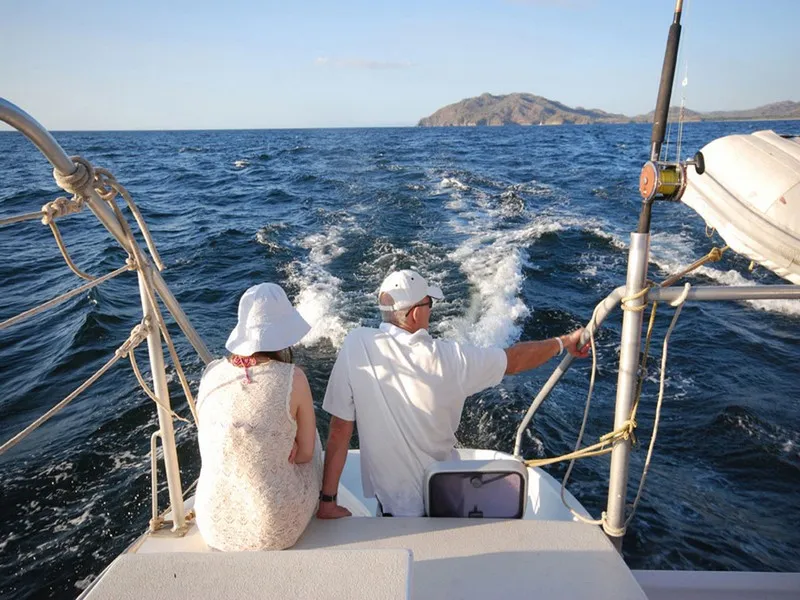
(655, 294)
(151, 285)
(53, 152)
(35, 132)
(601, 312)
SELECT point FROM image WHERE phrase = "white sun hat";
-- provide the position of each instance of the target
(407, 288)
(267, 322)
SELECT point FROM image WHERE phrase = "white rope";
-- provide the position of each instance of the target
(149, 392)
(77, 182)
(80, 183)
(20, 218)
(583, 427)
(63, 297)
(678, 303)
(107, 187)
(61, 207)
(138, 334)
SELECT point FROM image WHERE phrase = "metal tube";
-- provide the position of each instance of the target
(154, 480)
(638, 258)
(53, 152)
(604, 308)
(744, 292)
(163, 407)
(30, 127)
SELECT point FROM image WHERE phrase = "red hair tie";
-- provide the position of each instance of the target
(244, 362)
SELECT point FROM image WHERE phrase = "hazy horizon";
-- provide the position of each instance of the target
(190, 66)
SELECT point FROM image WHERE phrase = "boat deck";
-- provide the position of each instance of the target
(448, 558)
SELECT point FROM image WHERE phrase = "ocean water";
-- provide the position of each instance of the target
(525, 229)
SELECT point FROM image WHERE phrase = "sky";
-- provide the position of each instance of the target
(172, 64)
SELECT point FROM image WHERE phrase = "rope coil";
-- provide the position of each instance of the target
(76, 182)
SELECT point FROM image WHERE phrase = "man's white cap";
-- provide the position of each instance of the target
(267, 322)
(407, 288)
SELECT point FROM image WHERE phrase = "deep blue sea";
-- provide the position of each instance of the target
(525, 229)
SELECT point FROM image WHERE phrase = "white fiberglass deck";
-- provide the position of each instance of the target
(544, 555)
(450, 558)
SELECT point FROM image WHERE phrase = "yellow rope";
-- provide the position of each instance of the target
(657, 418)
(625, 302)
(627, 430)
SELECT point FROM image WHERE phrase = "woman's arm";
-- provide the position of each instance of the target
(301, 407)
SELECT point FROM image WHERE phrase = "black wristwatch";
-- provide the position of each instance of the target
(326, 498)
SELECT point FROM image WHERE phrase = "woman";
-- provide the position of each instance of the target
(261, 468)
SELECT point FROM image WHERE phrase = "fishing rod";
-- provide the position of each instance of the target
(660, 179)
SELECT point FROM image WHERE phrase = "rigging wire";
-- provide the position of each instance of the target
(684, 85)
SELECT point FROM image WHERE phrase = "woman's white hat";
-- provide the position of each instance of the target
(407, 288)
(267, 322)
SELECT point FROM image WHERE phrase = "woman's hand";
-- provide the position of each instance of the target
(293, 453)
(331, 510)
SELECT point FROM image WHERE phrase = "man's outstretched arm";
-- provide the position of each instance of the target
(529, 355)
(335, 456)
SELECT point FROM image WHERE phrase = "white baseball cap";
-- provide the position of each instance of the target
(407, 288)
(267, 322)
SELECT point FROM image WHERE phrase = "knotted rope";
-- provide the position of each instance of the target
(80, 184)
(76, 183)
(107, 187)
(61, 207)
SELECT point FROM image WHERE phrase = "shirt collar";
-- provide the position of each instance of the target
(401, 335)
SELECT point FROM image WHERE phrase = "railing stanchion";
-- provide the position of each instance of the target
(161, 391)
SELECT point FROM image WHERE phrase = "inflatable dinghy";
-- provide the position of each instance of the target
(750, 193)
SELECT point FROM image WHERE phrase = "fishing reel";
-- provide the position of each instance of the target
(661, 180)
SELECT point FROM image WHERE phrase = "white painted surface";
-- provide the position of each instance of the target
(750, 193)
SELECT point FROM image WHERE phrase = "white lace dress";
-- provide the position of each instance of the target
(249, 497)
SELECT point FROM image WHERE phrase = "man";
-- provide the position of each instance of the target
(407, 391)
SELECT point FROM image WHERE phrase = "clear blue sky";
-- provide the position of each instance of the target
(239, 64)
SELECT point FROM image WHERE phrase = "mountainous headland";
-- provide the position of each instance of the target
(529, 109)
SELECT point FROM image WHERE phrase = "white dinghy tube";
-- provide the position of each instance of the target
(750, 193)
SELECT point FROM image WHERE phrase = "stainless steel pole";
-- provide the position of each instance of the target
(160, 389)
(638, 259)
(719, 293)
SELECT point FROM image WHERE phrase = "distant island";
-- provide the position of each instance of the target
(528, 109)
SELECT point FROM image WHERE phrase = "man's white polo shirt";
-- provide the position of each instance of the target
(406, 392)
